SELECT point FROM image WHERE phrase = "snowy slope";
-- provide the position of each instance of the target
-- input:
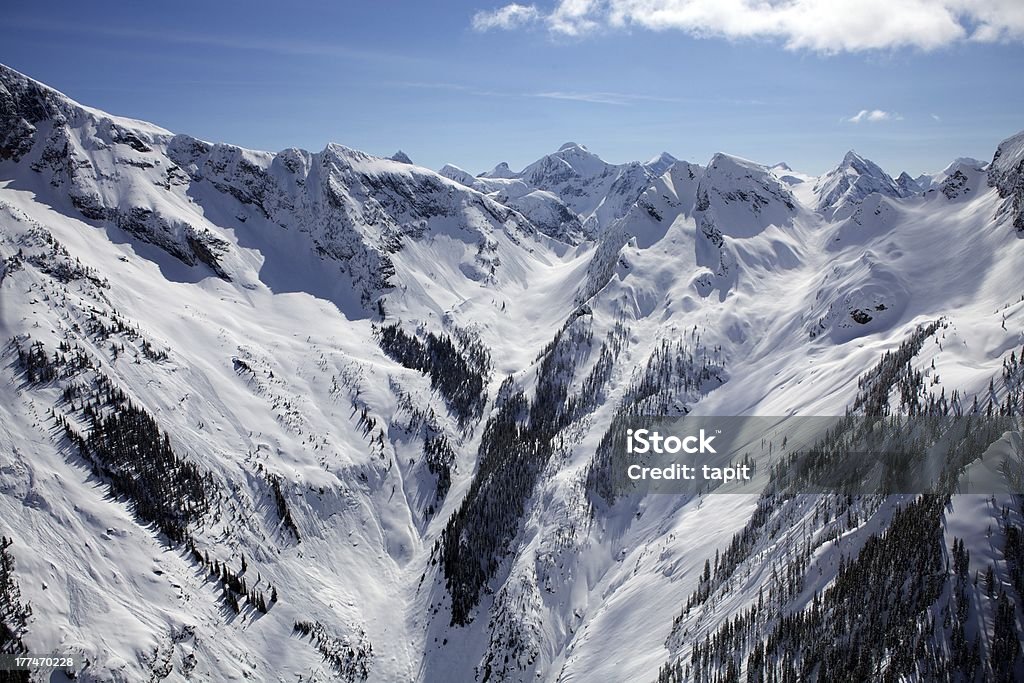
(292, 323)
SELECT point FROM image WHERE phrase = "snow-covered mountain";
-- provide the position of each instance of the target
(927, 181)
(907, 185)
(319, 415)
(850, 182)
(571, 194)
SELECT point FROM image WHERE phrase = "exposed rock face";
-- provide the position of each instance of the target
(1006, 174)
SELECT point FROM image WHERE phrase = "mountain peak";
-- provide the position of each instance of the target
(500, 171)
(570, 161)
(401, 157)
(862, 165)
(459, 175)
(661, 163)
(849, 183)
(851, 158)
(963, 162)
(908, 186)
(574, 153)
(721, 161)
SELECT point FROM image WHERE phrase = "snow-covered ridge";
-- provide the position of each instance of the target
(354, 208)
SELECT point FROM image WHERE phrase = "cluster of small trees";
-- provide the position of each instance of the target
(65, 270)
(151, 353)
(875, 386)
(440, 459)
(125, 444)
(739, 549)
(57, 262)
(70, 359)
(102, 329)
(478, 533)
(1013, 384)
(283, 511)
(350, 657)
(127, 447)
(514, 448)
(437, 449)
(676, 370)
(459, 374)
(40, 367)
(36, 363)
(592, 390)
(13, 614)
(873, 622)
(234, 584)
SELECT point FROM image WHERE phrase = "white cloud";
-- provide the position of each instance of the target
(828, 26)
(574, 17)
(873, 116)
(936, 117)
(507, 17)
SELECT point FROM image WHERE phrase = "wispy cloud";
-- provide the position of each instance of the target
(508, 17)
(596, 98)
(445, 86)
(251, 43)
(873, 116)
(428, 85)
(936, 117)
(615, 98)
(825, 26)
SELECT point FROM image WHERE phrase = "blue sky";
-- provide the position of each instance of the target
(473, 83)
